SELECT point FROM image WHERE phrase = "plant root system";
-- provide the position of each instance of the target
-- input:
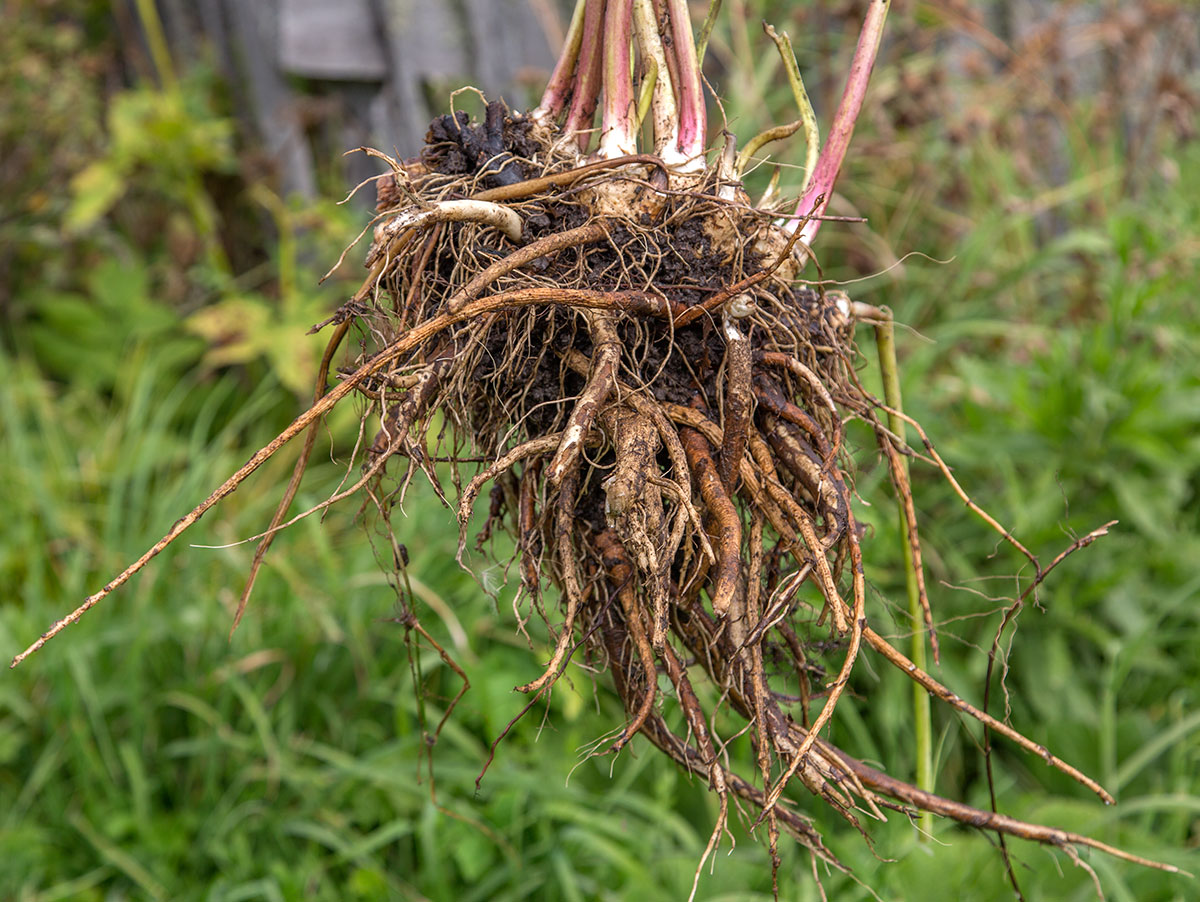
(661, 408)
(659, 405)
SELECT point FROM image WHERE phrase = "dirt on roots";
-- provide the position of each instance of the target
(625, 355)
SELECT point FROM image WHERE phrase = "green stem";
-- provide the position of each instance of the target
(812, 133)
(885, 343)
(706, 31)
(649, 83)
(157, 42)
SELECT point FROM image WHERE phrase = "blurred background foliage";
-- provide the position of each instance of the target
(1031, 182)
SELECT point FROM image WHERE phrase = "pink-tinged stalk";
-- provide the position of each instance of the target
(586, 92)
(663, 112)
(618, 121)
(558, 90)
(693, 121)
(829, 164)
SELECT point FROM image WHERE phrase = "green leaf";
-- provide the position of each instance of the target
(94, 191)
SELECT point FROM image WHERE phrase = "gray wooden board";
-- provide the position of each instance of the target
(335, 41)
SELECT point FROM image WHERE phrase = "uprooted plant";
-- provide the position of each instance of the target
(623, 339)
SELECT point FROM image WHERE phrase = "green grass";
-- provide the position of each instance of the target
(143, 755)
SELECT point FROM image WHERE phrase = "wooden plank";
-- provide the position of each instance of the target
(334, 41)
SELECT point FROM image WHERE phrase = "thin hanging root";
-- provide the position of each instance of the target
(958, 490)
(861, 310)
(758, 680)
(988, 820)
(293, 486)
(541, 445)
(857, 629)
(1009, 616)
(937, 690)
(564, 527)
(903, 488)
(696, 723)
(621, 571)
(527, 531)
(410, 621)
(801, 523)
(605, 360)
(724, 514)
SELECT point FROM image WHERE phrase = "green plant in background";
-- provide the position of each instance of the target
(163, 141)
(50, 125)
(147, 758)
(244, 326)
